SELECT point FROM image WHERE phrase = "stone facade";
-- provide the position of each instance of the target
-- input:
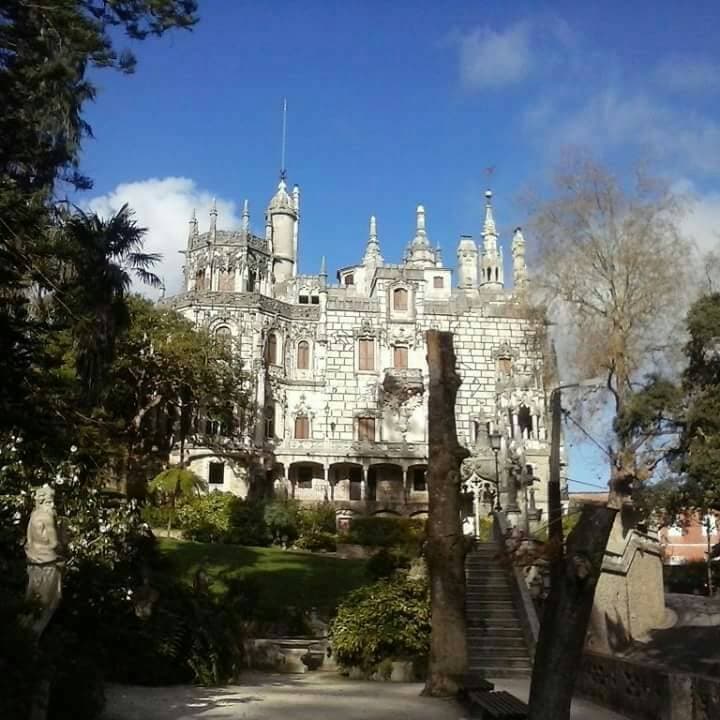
(340, 369)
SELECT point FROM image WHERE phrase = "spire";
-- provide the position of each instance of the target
(193, 229)
(283, 170)
(491, 262)
(489, 225)
(420, 233)
(372, 251)
(421, 254)
(213, 220)
(438, 255)
(518, 256)
(245, 217)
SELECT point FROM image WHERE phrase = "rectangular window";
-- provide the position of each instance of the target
(302, 427)
(400, 357)
(304, 477)
(270, 422)
(350, 279)
(216, 475)
(367, 354)
(366, 429)
(504, 365)
(419, 479)
(315, 299)
(304, 300)
(438, 282)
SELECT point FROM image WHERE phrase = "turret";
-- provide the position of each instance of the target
(491, 262)
(518, 255)
(467, 264)
(282, 218)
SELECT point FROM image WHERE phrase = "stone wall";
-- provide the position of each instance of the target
(646, 692)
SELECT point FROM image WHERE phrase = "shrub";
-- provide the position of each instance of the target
(247, 520)
(320, 517)
(386, 562)
(282, 518)
(387, 620)
(317, 540)
(387, 532)
(207, 518)
(156, 516)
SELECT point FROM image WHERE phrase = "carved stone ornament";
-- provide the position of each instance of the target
(43, 550)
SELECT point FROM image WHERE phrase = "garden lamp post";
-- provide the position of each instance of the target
(495, 445)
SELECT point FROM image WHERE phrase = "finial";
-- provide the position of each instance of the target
(213, 209)
(323, 267)
(246, 216)
(420, 219)
(213, 220)
(193, 218)
(373, 229)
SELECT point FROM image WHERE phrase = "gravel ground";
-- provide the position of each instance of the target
(302, 697)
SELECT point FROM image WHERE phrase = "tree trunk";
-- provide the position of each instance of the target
(567, 615)
(446, 543)
(555, 528)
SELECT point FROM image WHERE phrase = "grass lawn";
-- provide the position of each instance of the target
(274, 581)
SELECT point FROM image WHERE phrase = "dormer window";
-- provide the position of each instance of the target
(315, 299)
(400, 299)
(304, 300)
(349, 279)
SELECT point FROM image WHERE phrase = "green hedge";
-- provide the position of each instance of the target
(387, 532)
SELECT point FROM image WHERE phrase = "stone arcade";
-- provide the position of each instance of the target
(341, 374)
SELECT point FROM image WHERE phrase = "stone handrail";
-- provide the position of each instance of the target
(521, 595)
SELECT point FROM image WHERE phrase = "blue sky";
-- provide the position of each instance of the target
(392, 104)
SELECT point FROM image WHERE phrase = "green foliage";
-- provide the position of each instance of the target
(387, 620)
(176, 483)
(282, 518)
(318, 518)
(387, 532)
(317, 541)
(247, 520)
(689, 578)
(207, 518)
(386, 563)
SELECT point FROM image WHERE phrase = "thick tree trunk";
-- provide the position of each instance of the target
(567, 615)
(446, 543)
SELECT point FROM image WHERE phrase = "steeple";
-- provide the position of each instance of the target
(491, 264)
(421, 254)
(372, 251)
(518, 255)
(213, 221)
(245, 217)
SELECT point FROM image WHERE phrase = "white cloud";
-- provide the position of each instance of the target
(613, 118)
(164, 206)
(689, 75)
(702, 222)
(492, 59)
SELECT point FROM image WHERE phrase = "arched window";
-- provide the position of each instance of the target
(271, 349)
(223, 336)
(302, 427)
(251, 279)
(270, 422)
(525, 421)
(400, 299)
(303, 355)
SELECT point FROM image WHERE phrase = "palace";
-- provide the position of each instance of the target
(341, 372)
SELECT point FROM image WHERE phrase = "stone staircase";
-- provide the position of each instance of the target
(497, 647)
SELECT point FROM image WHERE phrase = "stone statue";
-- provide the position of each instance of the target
(513, 485)
(43, 550)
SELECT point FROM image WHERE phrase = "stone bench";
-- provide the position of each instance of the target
(496, 705)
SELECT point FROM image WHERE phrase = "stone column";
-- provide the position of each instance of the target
(363, 483)
(406, 484)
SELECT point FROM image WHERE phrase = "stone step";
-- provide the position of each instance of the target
(475, 642)
(501, 671)
(487, 631)
(513, 662)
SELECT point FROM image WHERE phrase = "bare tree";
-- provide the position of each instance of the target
(614, 264)
(446, 543)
